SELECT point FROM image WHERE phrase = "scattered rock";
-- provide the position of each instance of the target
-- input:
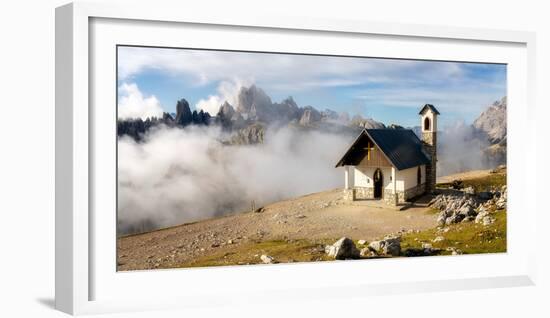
(455, 218)
(463, 207)
(454, 250)
(467, 210)
(300, 216)
(413, 252)
(362, 242)
(344, 248)
(441, 220)
(427, 246)
(438, 239)
(375, 245)
(457, 184)
(481, 215)
(488, 220)
(267, 259)
(367, 252)
(390, 245)
(469, 190)
(485, 195)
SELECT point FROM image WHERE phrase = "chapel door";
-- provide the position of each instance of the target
(378, 179)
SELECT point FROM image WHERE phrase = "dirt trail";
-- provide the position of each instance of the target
(316, 216)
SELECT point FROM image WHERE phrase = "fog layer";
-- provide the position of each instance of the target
(184, 175)
(178, 175)
(461, 149)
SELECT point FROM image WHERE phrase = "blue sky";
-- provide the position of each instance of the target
(392, 91)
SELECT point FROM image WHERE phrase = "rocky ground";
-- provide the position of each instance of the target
(322, 226)
(310, 221)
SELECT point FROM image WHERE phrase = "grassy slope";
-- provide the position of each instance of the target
(282, 251)
(469, 237)
(492, 181)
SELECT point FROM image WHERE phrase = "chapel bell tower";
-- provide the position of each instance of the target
(428, 123)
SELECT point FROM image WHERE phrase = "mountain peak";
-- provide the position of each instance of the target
(492, 121)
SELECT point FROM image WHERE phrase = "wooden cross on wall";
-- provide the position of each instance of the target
(369, 149)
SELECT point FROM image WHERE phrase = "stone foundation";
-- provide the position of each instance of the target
(349, 194)
(393, 199)
(361, 193)
(364, 193)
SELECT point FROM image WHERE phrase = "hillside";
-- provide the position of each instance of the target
(300, 229)
(312, 220)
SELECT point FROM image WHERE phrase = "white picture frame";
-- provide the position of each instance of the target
(83, 286)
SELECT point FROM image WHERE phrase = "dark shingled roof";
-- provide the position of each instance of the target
(400, 146)
(429, 106)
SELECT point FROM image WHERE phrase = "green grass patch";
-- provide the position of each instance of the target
(486, 183)
(283, 251)
(469, 237)
(492, 181)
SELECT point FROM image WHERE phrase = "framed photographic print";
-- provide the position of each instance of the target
(216, 152)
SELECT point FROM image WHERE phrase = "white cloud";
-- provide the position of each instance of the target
(227, 91)
(132, 103)
(184, 175)
(280, 71)
(460, 87)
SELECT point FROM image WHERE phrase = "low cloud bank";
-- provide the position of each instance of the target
(460, 148)
(185, 175)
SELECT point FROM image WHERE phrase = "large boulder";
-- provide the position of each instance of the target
(344, 248)
(266, 259)
(390, 245)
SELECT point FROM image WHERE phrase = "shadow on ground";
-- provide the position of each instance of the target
(47, 302)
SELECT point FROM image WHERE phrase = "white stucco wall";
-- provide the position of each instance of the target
(349, 177)
(433, 121)
(408, 177)
(363, 178)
